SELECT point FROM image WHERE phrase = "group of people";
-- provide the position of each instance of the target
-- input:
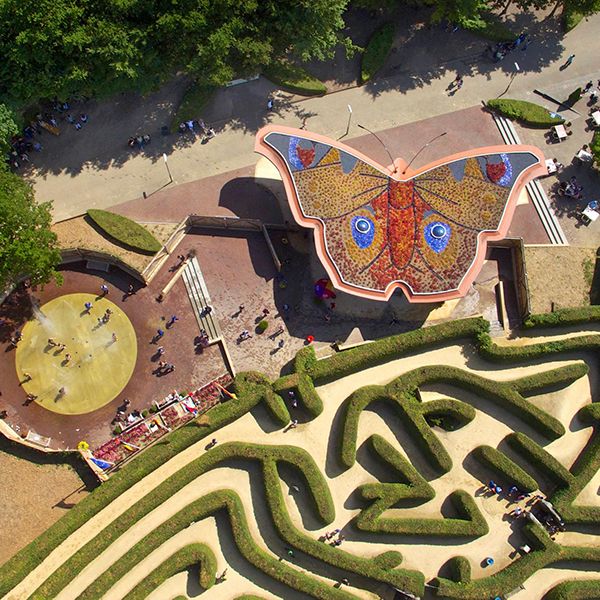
(199, 125)
(571, 188)
(501, 49)
(139, 141)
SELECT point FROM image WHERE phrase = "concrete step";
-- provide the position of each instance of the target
(200, 300)
(535, 190)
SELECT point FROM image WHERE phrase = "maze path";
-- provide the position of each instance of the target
(319, 438)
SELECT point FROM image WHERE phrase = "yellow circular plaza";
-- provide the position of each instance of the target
(94, 366)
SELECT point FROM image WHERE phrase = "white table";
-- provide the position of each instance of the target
(596, 117)
(550, 166)
(561, 132)
(590, 213)
(584, 156)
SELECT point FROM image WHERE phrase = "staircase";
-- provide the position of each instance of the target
(535, 190)
(200, 300)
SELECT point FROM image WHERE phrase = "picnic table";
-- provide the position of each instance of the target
(550, 166)
(584, 156)
(590, 214)
(560, 132)
(596, 118)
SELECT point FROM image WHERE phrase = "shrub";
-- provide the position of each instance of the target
(565, 316)
(194, 100)
(538, 457)
(388, 560)
(448, 414)
(469, 523)
(570, 19)
(294, 79)
(181, 560)
(595, 150)
(460, 569)
(376, 52)
(125, 231)
(505, 468)
(390, 348)
(262, 326)
(583, 589)
(527, 113)
(145, 413)
(490, 27)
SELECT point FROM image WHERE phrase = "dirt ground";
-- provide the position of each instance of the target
(33, 495)
(569, 284)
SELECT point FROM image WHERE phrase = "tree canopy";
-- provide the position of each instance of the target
(28, 248)
(61, 48)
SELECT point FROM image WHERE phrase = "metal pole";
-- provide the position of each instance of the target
(423, 148)
(168, 170)
(349, 119)
(384, 146)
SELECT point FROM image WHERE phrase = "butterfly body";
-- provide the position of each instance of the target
(425, 234)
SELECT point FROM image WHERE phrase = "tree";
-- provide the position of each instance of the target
(8, 127)
(28, 247)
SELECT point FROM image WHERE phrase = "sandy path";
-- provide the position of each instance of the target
(314, 436)
(545, 579)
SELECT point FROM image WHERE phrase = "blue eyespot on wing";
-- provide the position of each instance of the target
(363, 231)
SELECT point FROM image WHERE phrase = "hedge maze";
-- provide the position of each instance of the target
(386, 516)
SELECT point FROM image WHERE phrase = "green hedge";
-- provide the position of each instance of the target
(582, 589)
(376, 52)
(469, 523)
(125, 231)
(387, 349)
(448, 414)
(527, 113)
(400, 392)
(490, 27)
(504, 468)
(252, 384)
(564, 316)
(181, 560)
(388, 560)
(27, 559)
(537, 456)
(570, 19)
(269, 456)
(460, 568)
(595, 150)
(295, 79)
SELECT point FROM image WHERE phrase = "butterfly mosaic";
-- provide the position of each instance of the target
(375, 232)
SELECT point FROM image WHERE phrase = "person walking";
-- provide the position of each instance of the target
(159, 333)
(104, 289)
(569, 61)
(114, 337)
(88, 307)
(172, 320)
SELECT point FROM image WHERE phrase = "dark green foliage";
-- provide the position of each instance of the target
(262, 326)
(448, 414)
(538, 457)
(66, 47)
(527, 113)
(388, 560)
(390, 348)
(504, 468)
(188, 556)
(125, 231)
(565, 316)
(294, 79)
(8, 128)
(460, 569)
(582, 589)
(194, 100)
(570, 19)
(376, 52)
(256, 385)
(490, 27)
(595, 150)
(28, 246)
(469, 523)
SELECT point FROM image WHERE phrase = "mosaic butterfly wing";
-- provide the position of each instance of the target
(421, 233)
